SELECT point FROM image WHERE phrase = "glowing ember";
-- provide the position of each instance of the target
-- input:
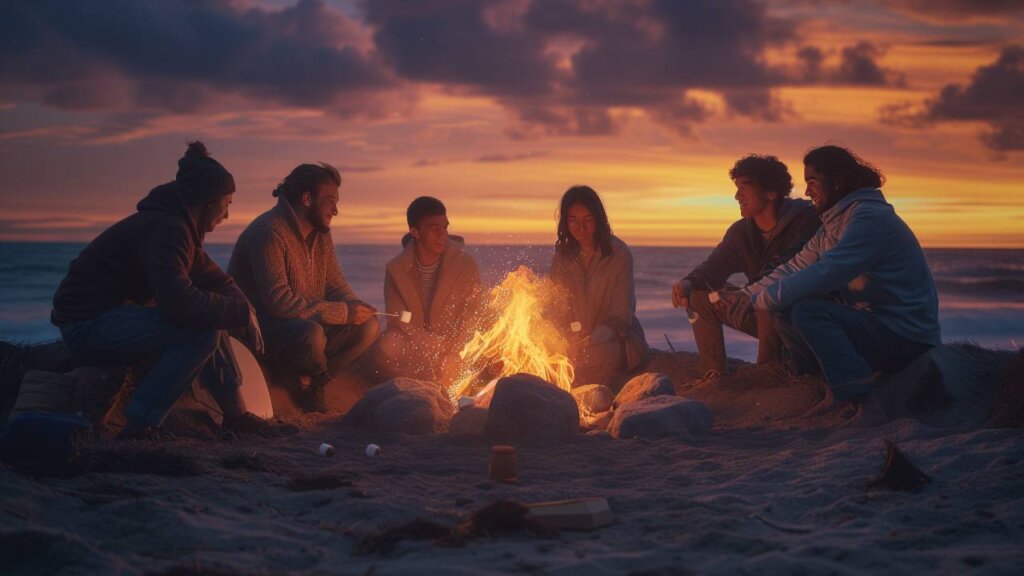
(520, 339)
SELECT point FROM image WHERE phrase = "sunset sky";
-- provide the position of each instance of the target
(496, 107)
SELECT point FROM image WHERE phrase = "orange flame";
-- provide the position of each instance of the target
(521, 339)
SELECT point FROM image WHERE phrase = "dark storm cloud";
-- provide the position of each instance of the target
(558, 66)
(993, 96)
(454, 41)
(178, 56)
(858, 66)
(625, 54)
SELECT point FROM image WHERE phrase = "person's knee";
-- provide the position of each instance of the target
(600, 361)
(369, 332)
(302, 348)
(806, 312)
(391, 344)
(766, 320)
(700, 301)
(311, 336)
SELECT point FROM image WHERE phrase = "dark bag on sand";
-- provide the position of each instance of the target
(43, 443)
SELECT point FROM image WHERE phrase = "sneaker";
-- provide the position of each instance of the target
(253, 425)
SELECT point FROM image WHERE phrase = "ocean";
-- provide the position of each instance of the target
(981, 292)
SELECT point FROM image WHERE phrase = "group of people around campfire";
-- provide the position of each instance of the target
(838, 285)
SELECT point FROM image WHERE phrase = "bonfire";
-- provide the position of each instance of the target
(520, 339)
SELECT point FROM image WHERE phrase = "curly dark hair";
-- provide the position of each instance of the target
(768, 172)
(587, 196)
(844, 170)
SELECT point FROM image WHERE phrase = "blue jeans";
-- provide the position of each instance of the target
(849, 344)
(127, 334)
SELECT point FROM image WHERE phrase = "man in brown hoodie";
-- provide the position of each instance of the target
(438, 283)
(284, 261)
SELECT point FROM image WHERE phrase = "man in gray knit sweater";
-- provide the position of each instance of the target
(313, 323)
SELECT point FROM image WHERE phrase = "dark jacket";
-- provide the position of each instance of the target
(743, 248)
(155, 255)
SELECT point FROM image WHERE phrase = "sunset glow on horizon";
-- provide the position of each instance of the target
(497, 106)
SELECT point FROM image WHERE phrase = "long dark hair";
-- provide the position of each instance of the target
(566, 245)
(844, 170)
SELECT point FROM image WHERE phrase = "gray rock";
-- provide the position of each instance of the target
(597, 421)
(471, 420)
(645, 385)
(526, 407)
(661, 417)
(402, 405)
(593, 398)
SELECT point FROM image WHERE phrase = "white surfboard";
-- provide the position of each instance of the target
(254, 383)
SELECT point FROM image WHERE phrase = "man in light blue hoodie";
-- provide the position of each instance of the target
(860, 294)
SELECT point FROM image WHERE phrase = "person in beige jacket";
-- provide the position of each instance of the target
(594, 271)
(437, 282)
(313, 323)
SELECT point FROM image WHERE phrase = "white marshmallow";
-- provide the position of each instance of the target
(714, 297)
(372, 450)
(576, 326)
(406, 317)
(326, 450)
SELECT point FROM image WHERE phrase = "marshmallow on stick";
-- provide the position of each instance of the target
(404, 317)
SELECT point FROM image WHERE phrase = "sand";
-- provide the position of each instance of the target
(767, 492)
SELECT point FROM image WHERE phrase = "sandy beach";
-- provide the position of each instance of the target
(766, 492)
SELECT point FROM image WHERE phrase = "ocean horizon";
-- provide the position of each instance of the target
(981, 291)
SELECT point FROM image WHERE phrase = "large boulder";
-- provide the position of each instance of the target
(402, 405)
(646, 385)
(526, 407)
(593, 398)
(661, 417)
